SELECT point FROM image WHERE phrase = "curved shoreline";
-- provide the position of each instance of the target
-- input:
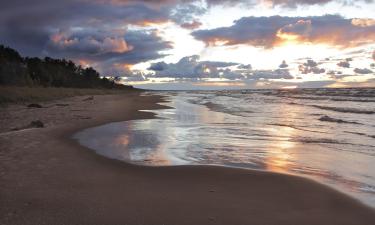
(49, 178)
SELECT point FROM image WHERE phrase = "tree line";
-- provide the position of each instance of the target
(48, 72)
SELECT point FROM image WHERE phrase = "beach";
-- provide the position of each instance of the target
(46, 177)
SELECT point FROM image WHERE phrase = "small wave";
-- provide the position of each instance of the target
(360, 134)
(309, 140)
(351, 100)
(232, 111)
(354, 94)
(367, 188)
(346, 99)
(344, 110)
(333, 120)
(295, 127)
(213, 106)
(317, 141)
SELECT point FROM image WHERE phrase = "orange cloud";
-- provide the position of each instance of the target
(68, 40)
(363, 22)
(192, 25)
(268, 32)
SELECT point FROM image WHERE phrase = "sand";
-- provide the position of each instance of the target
(48, 178)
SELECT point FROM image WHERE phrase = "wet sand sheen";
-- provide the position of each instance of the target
(194, 134)
(47, 178)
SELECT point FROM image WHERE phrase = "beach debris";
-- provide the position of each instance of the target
(34, 105)
(89, 98)
(82, 117)
(32, 124)
(36, 124)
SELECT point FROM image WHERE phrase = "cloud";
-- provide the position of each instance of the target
(192, 25)
(186, 15)
(373, 55)
(113, 58)
(283, 65)
(362, 71)
(295, 3)
(159, 66)
(271, 74)
(101, 33)
(268, 32)
(95, 32)
(336, 74)
(245, 67)
(190, 67)
(135, 76)
(344, 64)
(89, 42)
(310, 66)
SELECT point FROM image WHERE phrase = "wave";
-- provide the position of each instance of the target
(344, 110)
(319, 98)
(361, 134)
(323, 92)
(237, 111)
(295, 127)
(317, 141)
(351, 100)
(333, 120)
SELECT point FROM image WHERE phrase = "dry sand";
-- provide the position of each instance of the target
(48, 178)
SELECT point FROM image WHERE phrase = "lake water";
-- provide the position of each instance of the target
(324, 134)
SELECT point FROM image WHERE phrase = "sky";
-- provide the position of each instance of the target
(202, 44)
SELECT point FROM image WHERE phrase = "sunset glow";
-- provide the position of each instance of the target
(257, 43)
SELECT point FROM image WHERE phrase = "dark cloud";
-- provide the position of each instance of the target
(93, 32)
(97, 32)
(272, 31)
(283, 65)
(109, 52)
(362, 71)
(159, 66)
(192, 25)
(295, 3)
(190, 67)
(245, 67)
(185, 15)
(310, 66)
(285, 3)
(146, 45)
(344, 64)
(271, 74)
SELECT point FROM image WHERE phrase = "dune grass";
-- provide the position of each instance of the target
(19, 95)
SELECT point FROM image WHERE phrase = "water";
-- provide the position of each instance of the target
(324, 134)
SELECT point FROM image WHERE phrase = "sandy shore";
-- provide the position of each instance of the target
(47, 178)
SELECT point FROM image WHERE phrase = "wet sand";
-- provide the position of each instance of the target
(48, 178)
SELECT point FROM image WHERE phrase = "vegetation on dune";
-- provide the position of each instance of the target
(16, 70)
(12, 94)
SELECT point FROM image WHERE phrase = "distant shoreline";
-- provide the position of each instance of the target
(48, 178)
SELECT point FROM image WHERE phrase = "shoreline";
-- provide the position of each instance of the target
(48, 178)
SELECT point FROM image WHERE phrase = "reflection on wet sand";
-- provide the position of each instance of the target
(277, 138)
(279, 157)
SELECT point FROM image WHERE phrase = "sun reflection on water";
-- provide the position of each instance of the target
(279, 157)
